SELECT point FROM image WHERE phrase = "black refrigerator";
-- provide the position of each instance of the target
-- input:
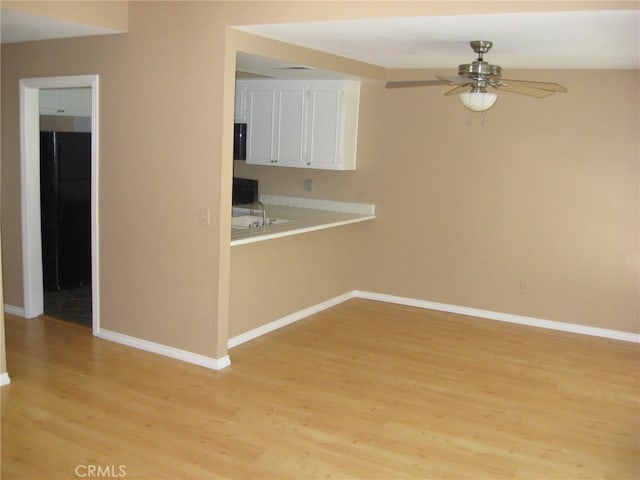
(65, 206)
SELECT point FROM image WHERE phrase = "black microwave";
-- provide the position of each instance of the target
(245, 191)
(239, 141)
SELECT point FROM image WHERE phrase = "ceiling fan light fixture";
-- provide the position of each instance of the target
(478, 101)
(477, 76)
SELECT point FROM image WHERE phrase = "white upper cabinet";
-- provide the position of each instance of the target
(304, 124)
(261, 124)
(74, 102)
(333, 127)
(240, 115)
(290, 124)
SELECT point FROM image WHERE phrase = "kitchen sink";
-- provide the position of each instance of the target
(254, 221)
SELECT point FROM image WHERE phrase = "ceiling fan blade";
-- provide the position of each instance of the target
(552, 87)
(459, 89)
(455, 80)
(531, 92)
(416, 83)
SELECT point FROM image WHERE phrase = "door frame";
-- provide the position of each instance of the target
(30, 190)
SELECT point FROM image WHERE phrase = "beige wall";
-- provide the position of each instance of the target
(464, 213)
(546, 193)
(160, 161)
(57, 123)
(270, 280)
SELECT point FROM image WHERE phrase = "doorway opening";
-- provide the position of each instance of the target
(84, 295)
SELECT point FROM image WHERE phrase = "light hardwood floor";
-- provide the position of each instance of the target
(364, 390)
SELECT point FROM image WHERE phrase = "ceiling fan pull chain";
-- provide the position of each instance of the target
(469, 119)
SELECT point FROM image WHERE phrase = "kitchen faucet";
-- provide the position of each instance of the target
(264, 212)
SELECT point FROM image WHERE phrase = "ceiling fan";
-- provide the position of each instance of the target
(474, 78)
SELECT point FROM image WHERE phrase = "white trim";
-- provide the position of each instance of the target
(30, 198)
(165, 350)
(95, 206)
(13, 310)
(442, 307)
(503, 317)
(4, 379)
(289, 319)
(298, 231)
(30, 188)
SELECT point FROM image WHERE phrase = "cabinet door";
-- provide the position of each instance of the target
(290, 130)
(325, 128)
(74, 102)
(310, 124)
(240, 115)
(49, 101)
(261, 124)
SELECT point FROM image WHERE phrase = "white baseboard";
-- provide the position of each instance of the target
(442, 307)
(172, 352)
(10, 309)
(220, 363)
(503, 317)
(294, 317)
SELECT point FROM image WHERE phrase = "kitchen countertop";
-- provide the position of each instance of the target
(301, 219)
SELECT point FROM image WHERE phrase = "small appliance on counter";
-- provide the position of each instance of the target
(239, 141)
(245, 191)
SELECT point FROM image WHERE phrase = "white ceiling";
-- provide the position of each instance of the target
(23, 27)
(572, 40)
(563, 40)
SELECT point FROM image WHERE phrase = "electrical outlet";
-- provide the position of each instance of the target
(308, 185)
(523, 287)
